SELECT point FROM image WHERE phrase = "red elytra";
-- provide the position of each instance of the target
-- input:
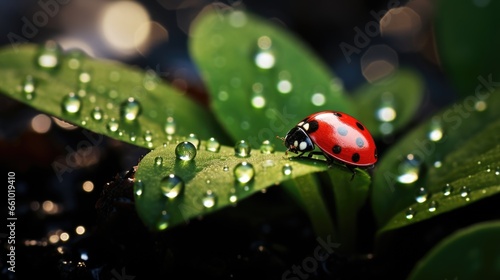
(338, 135)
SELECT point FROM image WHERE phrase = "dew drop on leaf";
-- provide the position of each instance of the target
(421, 195)
(97, 113)
(409, 169)
(264, 58)
(113, 125)
(71, 103)
(148, 136)
(139, 188)
(410, 213)
(193, 138)
(242, 149)
(171, 186)
(170, 126)
(287, 169)
(130, 109)
(244, 172)
(158, 161)
(28, 88)
(163, 220)
(447, 190)
(209, 199)
(266, 147)
(213, 145)
(436, 131)
(185, 151)
(464, 191)
(48, 56)
(433, 205)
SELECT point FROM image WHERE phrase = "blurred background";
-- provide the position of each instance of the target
(56, 203)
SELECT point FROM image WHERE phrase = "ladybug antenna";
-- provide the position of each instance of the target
(281, 138)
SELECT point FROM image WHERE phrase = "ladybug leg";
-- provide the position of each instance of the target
(314, 153)
(351, 168)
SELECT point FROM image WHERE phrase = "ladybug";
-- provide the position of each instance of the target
(339, 136)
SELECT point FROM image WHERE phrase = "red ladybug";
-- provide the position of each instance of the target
(338, 135)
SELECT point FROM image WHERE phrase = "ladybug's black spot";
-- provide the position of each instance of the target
(360, 142)
(355, 157)
(360, 126)
(342, 130)
(336, 149)
(337, 114)
(313, 126)
(376, 153)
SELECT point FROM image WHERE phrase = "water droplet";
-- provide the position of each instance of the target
(242, 149)
(267, 147)
(171, 186)
(386, 111)
(258, 101)
(158, 161)
(163, 220)
(213, 145)
(318, 99)
(48, 56)
(185, 151)
(223, 95)
(209, 199)
(287, 169)
(233, 198)
(438, 164)
(75, 59)
(436, 131)
(432, 206)
(237, 19)
(84, 78)
(114, 76)
(284, 86)
(130, 109)
(244, 172)
(71, 103)
(497, 171)
(139, 188)
(409, 169)
(464, 191)
(170, 126)
(421, 195)
(410, 213)
(150, 80)
(132, 136)
(28, 87)
(148, 136)
(480, 106)
(447, 189)
(264, 58)
(193, 138)
(97, 113)
(225, 168)
(113, 125)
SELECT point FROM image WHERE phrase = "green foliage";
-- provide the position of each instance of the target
(105, 85)
(470, 253)
(467, 42)
(446, 149)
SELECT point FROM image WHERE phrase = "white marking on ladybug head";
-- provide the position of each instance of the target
(296, 143)
(300, 123)
(306, 126)
(303, 145)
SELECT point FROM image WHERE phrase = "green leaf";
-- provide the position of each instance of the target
(430, 156)
(467, 43)
(470, 253)
(214, 172)
(110, 85)
(262, 80)
(389, 104)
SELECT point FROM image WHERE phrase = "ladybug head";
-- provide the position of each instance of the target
(297, 140)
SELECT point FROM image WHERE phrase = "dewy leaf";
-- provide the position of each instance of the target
(170, 191)
(471, 253)
(106, 97)
(418, 167)
(468, 50)
(390, 103)
(261, 79)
